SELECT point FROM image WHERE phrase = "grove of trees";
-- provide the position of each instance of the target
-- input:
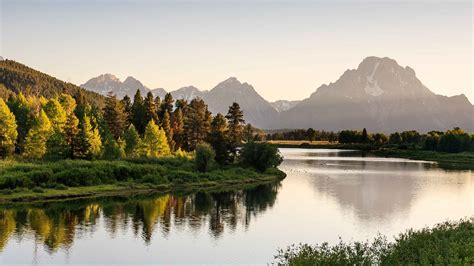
(67, 127)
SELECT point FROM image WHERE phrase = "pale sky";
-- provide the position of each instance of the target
(285, 49)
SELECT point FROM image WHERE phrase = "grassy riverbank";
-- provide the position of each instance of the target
(449, 243)
(455, 161)
(40, 181)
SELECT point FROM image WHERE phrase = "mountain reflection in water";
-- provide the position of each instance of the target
(56, 225)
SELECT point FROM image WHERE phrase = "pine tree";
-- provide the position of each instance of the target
(35, 142)
(236, 120)
(56, 147)
(177, 124)
(167, 104)
(56, 114)
(365, 136)
(154, 142)
(71, 130)
(127, 107)
(8, 130)
(166, 125)
(150, 108)
(132, 141)
(217, 138)
(87, 144)
(138, 113)
(196, 124)
(115, 116)
(158, 106)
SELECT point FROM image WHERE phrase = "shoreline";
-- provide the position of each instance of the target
(448, 161)
(124, 189)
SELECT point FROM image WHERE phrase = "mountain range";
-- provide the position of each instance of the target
(379, 95)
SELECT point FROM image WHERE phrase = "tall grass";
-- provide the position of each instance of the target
(448, 243)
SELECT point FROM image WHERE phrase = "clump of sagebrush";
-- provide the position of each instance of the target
(448, 243)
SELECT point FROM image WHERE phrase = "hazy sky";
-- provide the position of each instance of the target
(284, 49)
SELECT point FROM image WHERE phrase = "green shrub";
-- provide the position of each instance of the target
(60, 187)
(15, 180)
(38, 190)
(43, 177)
(182, 176)
(449, 243)
(204, 157)
(154, 179)
(261, 156)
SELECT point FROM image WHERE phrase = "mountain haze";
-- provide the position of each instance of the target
(106, 83)
(379, 95)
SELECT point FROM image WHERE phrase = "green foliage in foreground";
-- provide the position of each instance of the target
(74, 173)
(260, 156)
(449, 243)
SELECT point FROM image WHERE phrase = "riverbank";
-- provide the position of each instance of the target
(449, 243)
(70, 179)
(452, 161)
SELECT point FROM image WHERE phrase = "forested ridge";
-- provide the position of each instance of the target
(16, 77)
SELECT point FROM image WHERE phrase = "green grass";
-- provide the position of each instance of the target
(449, 243)
(41, 180)
(455, 161)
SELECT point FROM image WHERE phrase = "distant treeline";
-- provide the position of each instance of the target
(455, 140)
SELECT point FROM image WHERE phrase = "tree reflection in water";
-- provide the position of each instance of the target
(56, 225)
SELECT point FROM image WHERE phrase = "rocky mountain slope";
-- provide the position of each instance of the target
(379, 95)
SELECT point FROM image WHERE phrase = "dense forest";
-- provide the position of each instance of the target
(452, 141)
(16, 78)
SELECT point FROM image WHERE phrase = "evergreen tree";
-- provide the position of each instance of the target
(310, 134)
(150, 109)
(154, 142)
(81, 104)
(167, 105)
(115, 116)
(111, 150)
(236, 120)
(177, 124)
(196, 123)
(56, 114)
(248, 132)
(138, 113)
(127, 107)
(181, 103)
(8, 130)
(365, 136)
(87, 144)
(217, 138)
(158, 106)
(56, 147)
(71, 130)
(132, 141)
(35, 142)
(166, 125)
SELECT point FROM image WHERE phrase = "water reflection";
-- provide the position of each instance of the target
(56, 225)
(374, 188)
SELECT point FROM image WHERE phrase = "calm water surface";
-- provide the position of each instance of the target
(327, 194)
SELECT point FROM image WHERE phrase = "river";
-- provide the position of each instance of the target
(327, 195)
